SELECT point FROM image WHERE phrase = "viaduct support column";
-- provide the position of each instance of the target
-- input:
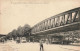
(79, 18)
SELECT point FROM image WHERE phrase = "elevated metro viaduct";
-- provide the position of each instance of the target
(54, 28)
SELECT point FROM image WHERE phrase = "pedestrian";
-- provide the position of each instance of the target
(41, 46)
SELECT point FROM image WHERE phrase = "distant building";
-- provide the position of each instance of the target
(1, 35)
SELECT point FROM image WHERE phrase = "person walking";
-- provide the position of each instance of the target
(41, 46)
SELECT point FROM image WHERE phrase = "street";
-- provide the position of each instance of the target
(13, 46)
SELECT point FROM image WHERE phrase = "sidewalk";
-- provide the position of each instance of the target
(5, 47)
(13, 46)
(71, 47)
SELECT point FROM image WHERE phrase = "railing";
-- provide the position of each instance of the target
(61, 19)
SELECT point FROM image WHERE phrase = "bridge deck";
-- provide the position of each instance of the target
(68, 27)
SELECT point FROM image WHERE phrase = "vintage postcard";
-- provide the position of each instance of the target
(39, 25)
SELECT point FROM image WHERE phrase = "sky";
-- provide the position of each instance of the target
(14, 13)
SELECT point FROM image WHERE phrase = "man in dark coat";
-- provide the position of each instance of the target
(41, 46)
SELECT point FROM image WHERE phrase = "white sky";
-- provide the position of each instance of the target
(14, 14)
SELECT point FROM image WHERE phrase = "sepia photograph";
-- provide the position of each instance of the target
(39, 25)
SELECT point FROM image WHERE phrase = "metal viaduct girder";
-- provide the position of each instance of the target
(66, 21)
